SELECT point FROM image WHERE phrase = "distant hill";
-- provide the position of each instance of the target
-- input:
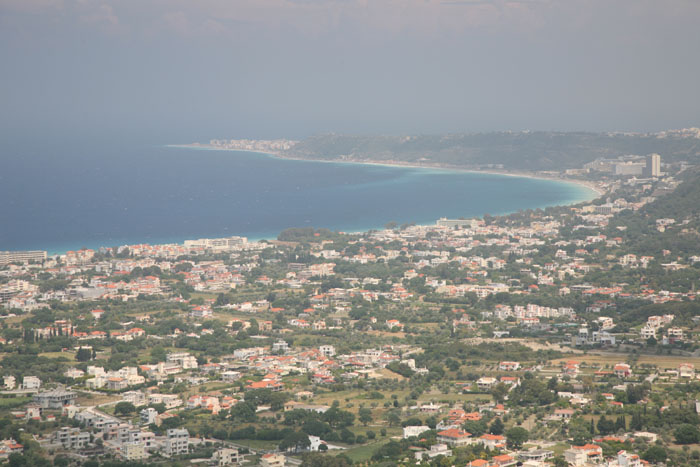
(532, 151)
(682, 205)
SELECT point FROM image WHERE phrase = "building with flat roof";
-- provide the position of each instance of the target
(177, 443)
(55, 399)
(653, 167)
(7, 257)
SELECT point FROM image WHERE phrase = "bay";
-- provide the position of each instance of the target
(67, 197)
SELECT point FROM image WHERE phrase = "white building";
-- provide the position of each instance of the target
(625, 459)
(148, 416)
(9, 382)
(411, 431)
(272, 460)
(226, 456)
(177, 442)
(435, 450)
(134, 451)
(31, 382)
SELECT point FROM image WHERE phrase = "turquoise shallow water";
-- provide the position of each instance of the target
(67, 197)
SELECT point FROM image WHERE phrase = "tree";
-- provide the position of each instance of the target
(687, 434)
(84, 354)
(388, 450)
(338, 418)
(499, 392)
(365, 415)
(295, 441)
(243, 412)
(124, 408)
(392, 416)
(605, 426)
(516, 436)
(158, 353)
(496, 427)
(655, 454)
(347, 436)
(314, 459)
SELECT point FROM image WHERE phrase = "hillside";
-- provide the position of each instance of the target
(640, 228)
(530, 151)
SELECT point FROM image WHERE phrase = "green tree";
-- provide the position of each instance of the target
(516, 436)
(84, 354)
(393, 417)
(499, 392)
(687, 434)
(496, 427)
(124, 408)
(365, 416)
(295, 441)
(655, 454)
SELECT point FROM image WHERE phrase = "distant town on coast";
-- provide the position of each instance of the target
(547, 336)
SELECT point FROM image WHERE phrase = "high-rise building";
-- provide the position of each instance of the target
(653, 168)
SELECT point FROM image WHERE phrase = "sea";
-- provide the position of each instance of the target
(59, 198)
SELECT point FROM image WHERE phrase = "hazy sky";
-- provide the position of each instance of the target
(179, 70)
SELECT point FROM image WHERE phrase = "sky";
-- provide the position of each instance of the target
(178, 71)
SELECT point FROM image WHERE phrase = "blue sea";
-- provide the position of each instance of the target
(61, 197)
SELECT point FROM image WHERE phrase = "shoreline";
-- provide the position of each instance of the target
(393, 163)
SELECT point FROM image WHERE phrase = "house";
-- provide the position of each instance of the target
(583, 455)
(32, 411)
(492, 441)
(73, 373)
(563, 414)
(510, 380)
(435, 450)
(411, 431)
(686, 370)
(31, 382)
(503, 460)
(117, 384)
(177, 442)
(134, 451)
(9, 446)
(272, 460)
(9, 382)
(454, 437)
(486, 383)
(226, 456)
(536, 455)
(622, 370)
(625, 459)
(230, 376)
(148, 416)
(280, 347)
(71, 438)
(55, 399)
(508, 366)
(274, 386)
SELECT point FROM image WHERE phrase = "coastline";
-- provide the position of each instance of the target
(393, 163)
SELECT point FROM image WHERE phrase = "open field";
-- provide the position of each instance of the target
(601, 360)
(452, 398)
(70, 356)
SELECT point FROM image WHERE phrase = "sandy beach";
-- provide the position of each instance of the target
(393, 163)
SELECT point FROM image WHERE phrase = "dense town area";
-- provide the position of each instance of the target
(567, 336)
